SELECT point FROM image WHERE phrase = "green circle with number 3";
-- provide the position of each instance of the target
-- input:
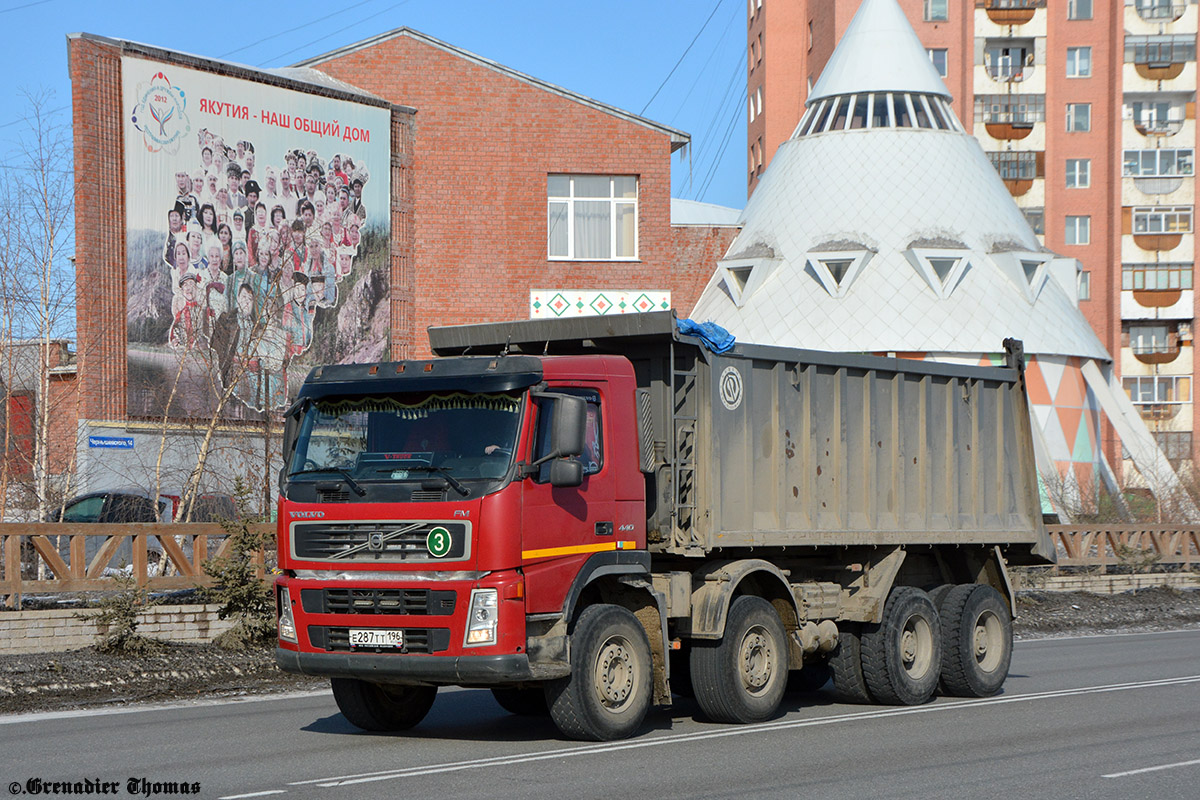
(438, 542)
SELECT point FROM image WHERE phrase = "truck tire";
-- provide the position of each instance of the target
(810, 678)
(845, 662)
(373, 707)
(742, 677)
(608, 692)
(902, 656)
(522, 702)
(976, 641)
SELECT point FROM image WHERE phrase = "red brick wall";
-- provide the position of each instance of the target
(99, 227)
(697, 250)
(485, 143)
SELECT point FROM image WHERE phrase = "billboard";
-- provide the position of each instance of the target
(258, 239)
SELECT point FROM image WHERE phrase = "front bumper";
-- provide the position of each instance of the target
(440, 670)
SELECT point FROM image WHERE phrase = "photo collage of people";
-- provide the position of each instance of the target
(253, 252)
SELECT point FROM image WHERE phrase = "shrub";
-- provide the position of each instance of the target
(238, 588)
(117, 618)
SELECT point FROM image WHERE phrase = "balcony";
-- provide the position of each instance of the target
(1161, 57)
(1011, 12)
(1160, 10)
(1009, 60)
(1019, 169)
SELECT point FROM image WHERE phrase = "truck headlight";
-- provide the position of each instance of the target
(482, 618)
(287, 626)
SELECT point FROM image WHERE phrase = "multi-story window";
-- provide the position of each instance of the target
(1079, 62)
(1159, 389)
(1079, 9)
(1006, 61)
(1079, 117)
(1159, 163)
(937, 10)
(1014, 109)
(1175, 445)
(1079, 230)
(1156, 276)
(938, 56)
(1149, 338)
(592, 217)
(1160, 50)
(1162, 219)
(1160, 10)
(1036, 217)
(1015, 165)
(1079, 173)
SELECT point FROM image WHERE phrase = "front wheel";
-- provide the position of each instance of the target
(742, 677)
(608, 692)
(376, 707)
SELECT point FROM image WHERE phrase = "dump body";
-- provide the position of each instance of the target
(780, 447)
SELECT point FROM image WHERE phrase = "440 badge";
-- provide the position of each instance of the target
(438, 542)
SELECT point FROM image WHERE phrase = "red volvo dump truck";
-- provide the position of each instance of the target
(585, 515)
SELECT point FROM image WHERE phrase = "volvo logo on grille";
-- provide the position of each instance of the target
(375, 542)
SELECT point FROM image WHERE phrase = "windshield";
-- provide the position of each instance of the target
(412, 437)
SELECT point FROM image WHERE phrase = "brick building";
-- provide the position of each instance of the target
(503, 162)
(1087, 109)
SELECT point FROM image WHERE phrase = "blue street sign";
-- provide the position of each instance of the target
(119, 442)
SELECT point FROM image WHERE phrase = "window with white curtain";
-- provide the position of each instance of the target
(592, 217)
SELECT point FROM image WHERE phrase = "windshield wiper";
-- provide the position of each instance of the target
(443, 471)
(353, 484)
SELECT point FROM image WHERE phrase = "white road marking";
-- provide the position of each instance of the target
(42, 716)
(253, 794)
(1068, 637)
(1152, 769)
(768, 727)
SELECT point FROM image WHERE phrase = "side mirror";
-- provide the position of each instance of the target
(566, 472)
(567, 433)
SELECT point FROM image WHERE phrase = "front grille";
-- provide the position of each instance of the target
(416, 641)
(416, 602)
(428, 496)
(384, 540)
(334, 496)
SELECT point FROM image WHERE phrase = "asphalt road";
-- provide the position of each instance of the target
(1093, 717)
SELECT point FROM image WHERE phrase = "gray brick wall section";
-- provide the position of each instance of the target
(59, 629)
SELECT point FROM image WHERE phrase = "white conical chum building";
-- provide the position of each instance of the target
(882, 227)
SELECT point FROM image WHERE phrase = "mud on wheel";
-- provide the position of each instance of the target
(902, 655)
(608, 692)
(742, 677)
(976, 640)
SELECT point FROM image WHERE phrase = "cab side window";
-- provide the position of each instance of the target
(593, 441)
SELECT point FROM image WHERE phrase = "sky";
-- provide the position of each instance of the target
(679, 62)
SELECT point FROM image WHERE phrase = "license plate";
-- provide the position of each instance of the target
(376, 638)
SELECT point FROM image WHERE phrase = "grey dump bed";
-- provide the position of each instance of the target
(778, 447)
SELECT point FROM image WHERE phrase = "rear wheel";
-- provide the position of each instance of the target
(902, 656)
(845, 662)
(608, 692)
(742, 677)
(976, 641)
(522, 702)
(376, 707)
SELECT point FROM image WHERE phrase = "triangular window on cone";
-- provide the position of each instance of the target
(1026, 269)
(836, 270)
(743, 277)
(941, 269)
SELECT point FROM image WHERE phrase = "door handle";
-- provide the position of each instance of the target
(604, 528)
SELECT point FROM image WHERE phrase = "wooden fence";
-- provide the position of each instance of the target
(1130, 546)
(80, 557)
(84, 557)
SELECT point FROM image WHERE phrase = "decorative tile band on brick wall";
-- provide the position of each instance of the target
(56, 630)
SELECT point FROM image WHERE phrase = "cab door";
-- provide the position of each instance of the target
(565, 526)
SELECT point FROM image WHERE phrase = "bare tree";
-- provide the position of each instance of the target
(36, 213)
